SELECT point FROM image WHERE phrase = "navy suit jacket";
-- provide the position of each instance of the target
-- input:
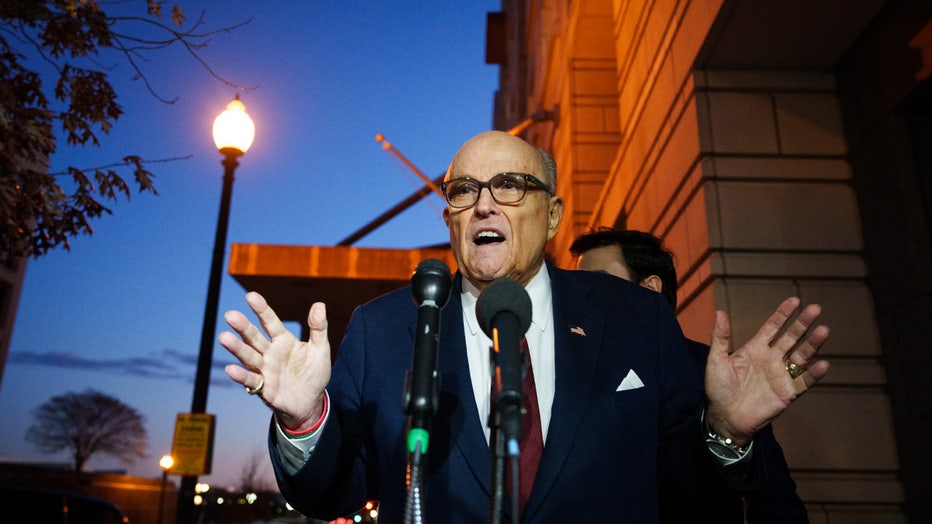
(773, 499)
(609, 454)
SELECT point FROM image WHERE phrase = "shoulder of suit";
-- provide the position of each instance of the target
(603, 281)
(397, 298)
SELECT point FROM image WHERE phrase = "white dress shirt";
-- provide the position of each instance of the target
(540, 346)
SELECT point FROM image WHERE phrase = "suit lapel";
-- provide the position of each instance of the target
(578, 332)
(466, 430)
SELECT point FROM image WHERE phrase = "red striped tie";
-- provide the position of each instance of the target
(532, 440)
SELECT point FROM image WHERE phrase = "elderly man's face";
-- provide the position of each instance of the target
(491, 240)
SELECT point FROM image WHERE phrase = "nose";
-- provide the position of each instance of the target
(485, 204)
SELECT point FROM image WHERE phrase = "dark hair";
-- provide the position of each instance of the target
(642, 252)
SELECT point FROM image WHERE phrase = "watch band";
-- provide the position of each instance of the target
(723, 447)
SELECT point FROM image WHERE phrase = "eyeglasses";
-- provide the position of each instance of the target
(505, 188)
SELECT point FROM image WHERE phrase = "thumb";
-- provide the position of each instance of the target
(317, 322)
(721, 336)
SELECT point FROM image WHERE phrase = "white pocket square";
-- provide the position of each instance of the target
(631, 381)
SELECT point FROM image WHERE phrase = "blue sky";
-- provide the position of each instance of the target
(121, 312)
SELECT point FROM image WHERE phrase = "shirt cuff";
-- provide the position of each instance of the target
(296, 450)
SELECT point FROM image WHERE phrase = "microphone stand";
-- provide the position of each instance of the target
(501, 450)
(418, 438)
(430, 288)
(504, 314)
(497, 448)
(420, 406)
(421, 400)
(415, 482)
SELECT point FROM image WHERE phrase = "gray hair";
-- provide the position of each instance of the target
(550, 168)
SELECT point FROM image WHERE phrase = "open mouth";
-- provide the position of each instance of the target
(488, 237)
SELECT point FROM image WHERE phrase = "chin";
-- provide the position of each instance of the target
(480, 274)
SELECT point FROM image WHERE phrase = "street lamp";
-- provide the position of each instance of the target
(233, 132)
(166, 463)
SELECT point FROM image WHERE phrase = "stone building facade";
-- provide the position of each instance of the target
(778, 148)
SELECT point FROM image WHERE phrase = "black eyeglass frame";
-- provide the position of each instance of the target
(530, 182)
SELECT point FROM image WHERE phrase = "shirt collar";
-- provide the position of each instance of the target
(538, 289)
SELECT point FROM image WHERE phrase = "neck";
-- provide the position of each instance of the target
(476, 287)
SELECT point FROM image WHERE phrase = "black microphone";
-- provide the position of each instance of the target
(504, 313)
(430, 287)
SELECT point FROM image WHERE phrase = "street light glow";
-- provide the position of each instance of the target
(233, 129)
(166, 462)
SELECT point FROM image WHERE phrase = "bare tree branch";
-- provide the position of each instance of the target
(87, 424)
(36, 213)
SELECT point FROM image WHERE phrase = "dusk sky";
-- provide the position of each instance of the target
(121, 312)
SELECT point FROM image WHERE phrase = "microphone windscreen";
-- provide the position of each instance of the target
(431, 282)
(503, 295)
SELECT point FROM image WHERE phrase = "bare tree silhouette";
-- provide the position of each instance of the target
(88, 423)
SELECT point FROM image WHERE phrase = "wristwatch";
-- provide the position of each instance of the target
(723, 447)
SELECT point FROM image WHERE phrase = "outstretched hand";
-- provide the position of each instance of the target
(289, 375)
(749, 387)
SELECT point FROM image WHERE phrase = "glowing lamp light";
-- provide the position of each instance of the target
(166, 462)
(233, 129)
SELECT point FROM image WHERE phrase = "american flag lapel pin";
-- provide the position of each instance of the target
(578, 330)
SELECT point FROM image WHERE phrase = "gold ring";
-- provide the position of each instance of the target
(794, 370)
(257, 389)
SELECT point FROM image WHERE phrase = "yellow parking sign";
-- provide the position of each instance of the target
(193, 444)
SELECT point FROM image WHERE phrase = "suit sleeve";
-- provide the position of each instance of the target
(764, 487)
(776, 500)
(333, 480)
(691, 483)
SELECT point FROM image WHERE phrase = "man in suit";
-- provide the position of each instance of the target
(640, 257)
(623, 429)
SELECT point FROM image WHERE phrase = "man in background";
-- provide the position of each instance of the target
(641, 258)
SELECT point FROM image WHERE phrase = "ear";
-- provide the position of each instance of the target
(446, 216)
(555, 216)
(653, 283)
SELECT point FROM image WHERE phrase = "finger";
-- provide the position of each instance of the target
(247, 330)
(796, 332)
(244, 377)
(237, 373)
(721, 337)
(317, 322)
(808, 348)
(247, 355)
(814, 373)
(774, 325)
(267, 317)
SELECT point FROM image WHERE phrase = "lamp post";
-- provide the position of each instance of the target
(233, 133)
(166, 463)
